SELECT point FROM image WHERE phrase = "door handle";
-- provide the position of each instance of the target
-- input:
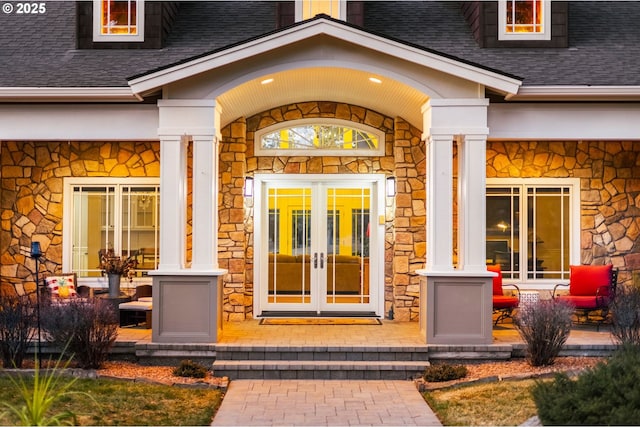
(321, 260)
(315, 260)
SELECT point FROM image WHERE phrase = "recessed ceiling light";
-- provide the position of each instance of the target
(266, 81)
(375, 80)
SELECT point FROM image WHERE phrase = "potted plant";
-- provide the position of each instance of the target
(115, 267)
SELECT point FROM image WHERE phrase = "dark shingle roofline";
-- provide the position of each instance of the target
(337, 21)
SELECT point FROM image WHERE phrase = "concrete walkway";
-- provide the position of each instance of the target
(324, 403)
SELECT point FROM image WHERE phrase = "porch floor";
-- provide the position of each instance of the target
(389, 333)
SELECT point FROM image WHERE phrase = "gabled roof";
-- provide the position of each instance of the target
(323, 25)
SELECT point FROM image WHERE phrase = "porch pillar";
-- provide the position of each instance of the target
(455, 303)
(187, 301)
(173, 202)
(205, 202)
(440, 202)
(472, 195)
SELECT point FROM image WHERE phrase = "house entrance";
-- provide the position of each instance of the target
(316, 242)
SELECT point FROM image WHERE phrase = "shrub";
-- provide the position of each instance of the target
(608, 394)
(17, 321)
(444, 372)
(188, 368)
(544, 326)
(87, 329)
(625, 315)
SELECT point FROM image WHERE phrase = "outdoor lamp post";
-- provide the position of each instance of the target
(36, 253)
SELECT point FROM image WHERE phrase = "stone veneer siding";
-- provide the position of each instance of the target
(405, 229)
(32, 190)
(609, 175)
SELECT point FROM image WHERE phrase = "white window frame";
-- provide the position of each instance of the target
(67, 220)
(341, 13)
(545, 34)
(97, 25)
(574, 224)
(259, 151)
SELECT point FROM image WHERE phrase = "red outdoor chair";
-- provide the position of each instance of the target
(591, 289)
(503, 305)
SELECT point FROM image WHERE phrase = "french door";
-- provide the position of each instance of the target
(318, 244)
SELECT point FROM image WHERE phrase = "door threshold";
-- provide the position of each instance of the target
(315, 314)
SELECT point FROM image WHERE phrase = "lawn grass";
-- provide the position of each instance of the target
(129, 403)
(496, 404)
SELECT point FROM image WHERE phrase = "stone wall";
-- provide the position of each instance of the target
(405, 236)
(32, 186)
(609, 175)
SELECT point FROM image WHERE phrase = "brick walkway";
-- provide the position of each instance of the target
(324, 403)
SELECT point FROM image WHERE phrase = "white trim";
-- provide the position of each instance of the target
(377, 210)
(67, 94)
(575, 224)
(583, 93)
(315, 28)
(97, 24)
(545, 34)
(259, 151)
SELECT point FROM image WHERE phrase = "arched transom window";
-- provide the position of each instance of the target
(321, 137)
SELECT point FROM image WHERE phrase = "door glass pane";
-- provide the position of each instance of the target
(289, 231)
(93, 228)
(503, 230)
(140, 216)
(548, 233)
(348, 236)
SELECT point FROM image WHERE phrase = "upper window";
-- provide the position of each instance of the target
(118, 20)
(533, 227)
(111, 213)
(306, 9)
(309, 137)
(524, 20)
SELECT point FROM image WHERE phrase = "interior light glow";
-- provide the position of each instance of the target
(266, 81)
(375, 80)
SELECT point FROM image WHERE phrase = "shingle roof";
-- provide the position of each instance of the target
(39, 50)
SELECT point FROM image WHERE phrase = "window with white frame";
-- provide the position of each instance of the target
(118, 20)
(319, 137)
(524, 20)
(111, 213)
(533, 227)
(306, 9)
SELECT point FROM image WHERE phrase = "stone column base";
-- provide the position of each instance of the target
(456, 307)
(187, 307)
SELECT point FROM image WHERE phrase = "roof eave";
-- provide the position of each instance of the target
(68, 94)
(576, 93)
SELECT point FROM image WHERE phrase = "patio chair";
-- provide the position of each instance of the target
(591, 290)
(139, 310)
(503, 305)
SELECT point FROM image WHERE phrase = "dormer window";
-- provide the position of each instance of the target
(118, 20)
(306, 9)
(524, 20)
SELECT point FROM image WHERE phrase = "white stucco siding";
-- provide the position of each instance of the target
(78, 122)
(562, 121)
(534, 121)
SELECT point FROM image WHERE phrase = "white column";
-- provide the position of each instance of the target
(205, 203)
(472, 203)
(173, 202)
(440, 203)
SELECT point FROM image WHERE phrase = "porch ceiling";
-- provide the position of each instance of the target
(390, 97)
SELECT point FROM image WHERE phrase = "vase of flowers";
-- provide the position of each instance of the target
(115, 267)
